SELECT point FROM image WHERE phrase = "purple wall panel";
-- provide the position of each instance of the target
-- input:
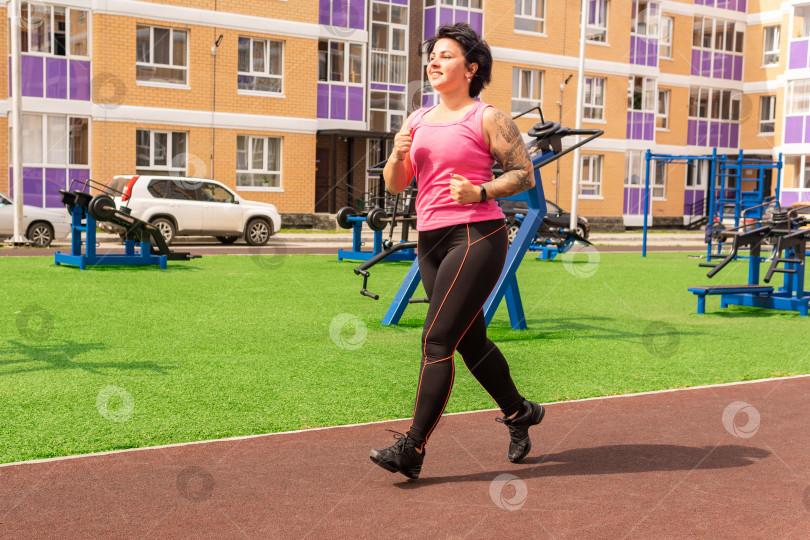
(706, 64)
(793, 129)
(80, 80)
(337, 102)
(738, 68)
(355, 103)
(728, 66)
(357, 12)
(56, 78)
(734, 136)
(400, 2)
(54, 181)
(797, 59)
(32, 186)
(430, 23)
(724, 130)
(721, 4)
(714, 134)
(324, 11)
(396, 88)
(688, 197)
(638, 125)
(445, 16)
(81, 175)
(477, 22)
(462, 15)
(717, 71)
(32, 76)
(649, 126)
(695, 62)
(691, 132)
(340, 12)
(652, 52)
(323, 100)
(741, 5)
(702, 133)
(786, 198)
(632, 49)
(378, 86)
(635, 201)
(629, 133)
(807, 129)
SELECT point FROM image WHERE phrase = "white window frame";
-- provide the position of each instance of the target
(589, 105)
(770, 45)
(384, 58)
(666, 95)
(264, 171)
(598, 33)
(594, 180)
(528, 13)
(668, 29)
(767, 104)
(633, 164)
(262, 74)
(658, 182)
(520, 104)
(45, 146)
(803, 31)
(648, 104)
(34, 22)
(798, 97)
(152, 64)
(170, 167)
(718, 27)
(651, 24)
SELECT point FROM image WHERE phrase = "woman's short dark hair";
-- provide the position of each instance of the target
(475, 50)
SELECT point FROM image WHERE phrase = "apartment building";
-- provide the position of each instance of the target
(291, 102)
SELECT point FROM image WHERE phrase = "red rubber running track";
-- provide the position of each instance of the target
(729, 461)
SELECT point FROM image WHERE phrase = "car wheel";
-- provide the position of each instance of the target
(511, 231)
(40, 234)
(227, 239)
(258, 232)
(166, 228)
(581, 232)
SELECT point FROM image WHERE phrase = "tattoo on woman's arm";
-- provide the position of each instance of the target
(509, 150)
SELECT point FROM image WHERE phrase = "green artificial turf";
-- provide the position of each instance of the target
(119, 357)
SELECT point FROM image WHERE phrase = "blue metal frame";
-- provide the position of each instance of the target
(357, 253)
(82, 222)
(507, 286)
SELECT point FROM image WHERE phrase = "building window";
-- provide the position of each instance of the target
(799, 97)
(658, 182)
(641, 94)
(594, 99)
(767, 114)
(596, 29)
(527, 89)
(530, 16)
(161, 55)
(258, 162)
(770, 45)
(161, 152)
(590, 184)
(667, 31)
(260, 65)
(662, 112)
(644, 18)
(801, 21)
(633, 169)
(717, 35)
(55, 140)
(53, 30)
(710, 103)
(389, 66)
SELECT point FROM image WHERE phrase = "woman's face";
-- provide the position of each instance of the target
(447, 68)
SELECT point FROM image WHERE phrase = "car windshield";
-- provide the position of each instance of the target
(4, 199)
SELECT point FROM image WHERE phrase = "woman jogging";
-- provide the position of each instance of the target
(462, 237)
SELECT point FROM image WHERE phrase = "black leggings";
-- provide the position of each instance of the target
(460, 266)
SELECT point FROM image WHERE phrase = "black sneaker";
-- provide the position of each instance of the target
(519, 426)
(401, 457)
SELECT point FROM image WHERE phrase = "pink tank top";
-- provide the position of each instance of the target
(438, 149)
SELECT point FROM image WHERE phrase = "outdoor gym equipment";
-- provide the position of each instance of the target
(737, 190)
(560, 241)
(140, 237)
(377, 220)
(790, 233)
(544, 148)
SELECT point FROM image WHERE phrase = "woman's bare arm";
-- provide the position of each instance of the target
(508, 149)
(398, 171)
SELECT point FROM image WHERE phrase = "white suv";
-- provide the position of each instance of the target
(182, 206)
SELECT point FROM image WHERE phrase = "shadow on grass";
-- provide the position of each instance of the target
(584, 328)
(18, 357)
(615, 459)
